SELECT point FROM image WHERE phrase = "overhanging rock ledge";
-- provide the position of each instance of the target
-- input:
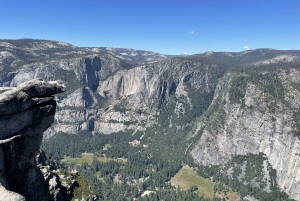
(26, 112)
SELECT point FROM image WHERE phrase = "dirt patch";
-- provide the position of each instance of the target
(147, 192)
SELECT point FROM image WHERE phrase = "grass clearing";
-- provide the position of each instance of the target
(88, 158)
(187, 177)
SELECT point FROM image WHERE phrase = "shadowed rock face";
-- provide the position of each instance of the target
(26, 112)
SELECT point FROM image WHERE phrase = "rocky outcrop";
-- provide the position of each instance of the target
(63, 185)
(26, 112)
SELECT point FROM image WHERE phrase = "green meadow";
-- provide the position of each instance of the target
(188, 177)
(88, 158)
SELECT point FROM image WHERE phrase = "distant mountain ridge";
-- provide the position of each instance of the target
(45, 48)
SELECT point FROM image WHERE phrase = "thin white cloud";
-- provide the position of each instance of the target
(185, 53)
(246, 48)
(192, 32)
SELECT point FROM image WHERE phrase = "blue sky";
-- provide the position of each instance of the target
(168, 27)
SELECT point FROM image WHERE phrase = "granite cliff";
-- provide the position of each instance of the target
(26, 112)
(259, 120)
